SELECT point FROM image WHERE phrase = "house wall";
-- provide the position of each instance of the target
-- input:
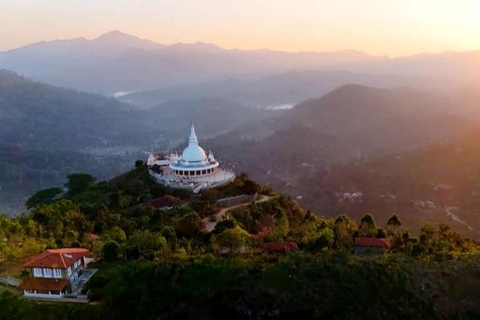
(51, 295)
(64, 272)
(366, 250)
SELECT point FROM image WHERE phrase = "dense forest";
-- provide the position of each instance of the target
(157, 259)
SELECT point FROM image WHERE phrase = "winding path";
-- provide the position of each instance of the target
(210, 225)
(454, 217)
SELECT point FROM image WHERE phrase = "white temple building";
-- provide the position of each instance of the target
(193, 170)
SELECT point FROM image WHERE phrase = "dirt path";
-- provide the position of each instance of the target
(210, 225)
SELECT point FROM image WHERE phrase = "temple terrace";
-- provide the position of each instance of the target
(193, 170)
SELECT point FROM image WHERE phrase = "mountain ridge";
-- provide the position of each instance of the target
(116, 61)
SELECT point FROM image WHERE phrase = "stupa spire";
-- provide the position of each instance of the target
(193, 136)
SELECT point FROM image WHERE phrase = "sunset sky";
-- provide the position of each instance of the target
(380, 27)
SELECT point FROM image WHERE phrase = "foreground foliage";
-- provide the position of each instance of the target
(159, 261)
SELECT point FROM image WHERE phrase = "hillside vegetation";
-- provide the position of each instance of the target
(158, 260)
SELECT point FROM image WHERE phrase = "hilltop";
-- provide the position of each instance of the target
(158, 259)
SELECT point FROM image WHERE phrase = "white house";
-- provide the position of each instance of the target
(53, 272)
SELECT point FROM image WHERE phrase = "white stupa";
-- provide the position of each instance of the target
(193, 170)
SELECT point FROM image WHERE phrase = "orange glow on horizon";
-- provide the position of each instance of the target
(378, 27)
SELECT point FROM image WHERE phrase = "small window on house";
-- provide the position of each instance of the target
(37, 272)
(69, 271)
(57, 273)
(47, 272)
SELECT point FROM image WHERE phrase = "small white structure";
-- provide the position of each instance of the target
(193, 170)
(350, 196)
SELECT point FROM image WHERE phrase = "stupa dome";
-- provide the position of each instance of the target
(193, 152)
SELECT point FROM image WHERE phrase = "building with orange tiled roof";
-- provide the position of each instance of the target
(53, 272)
(371, 245)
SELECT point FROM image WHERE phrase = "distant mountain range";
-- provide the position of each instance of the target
(108, 44)
(373, 120)
(279, 89)
(117, 62)
(38, 115)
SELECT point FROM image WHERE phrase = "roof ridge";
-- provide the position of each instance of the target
(63, 260)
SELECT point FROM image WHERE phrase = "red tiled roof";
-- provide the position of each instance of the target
(57, 258)
(372, 242)
(165, 201)
(42, 284)
(280, 246)
(93, 236)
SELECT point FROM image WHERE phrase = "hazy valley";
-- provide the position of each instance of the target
(314, 160)
(334, 124)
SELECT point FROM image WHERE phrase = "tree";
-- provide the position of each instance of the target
(250, 187)
(58, 216)
(393, 224)
(170, 235)
(418, 249)
(110, 250)
(71, 235)
(96, 248)
(148, 243)
(234, 240)
(310, 216)
(324, 239)
(78, 183)
(344, 229)
(428, 231)
(31, 247)
(427, 238)
(308, 229)
(443, 230)
(29, 227)
(116, 234)
(381, 233)
(190, 226)
(394, 221)
(280, 226)
(223, 225)
(44, 196)
(138, 163)
(56, 228)
(367, 228)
